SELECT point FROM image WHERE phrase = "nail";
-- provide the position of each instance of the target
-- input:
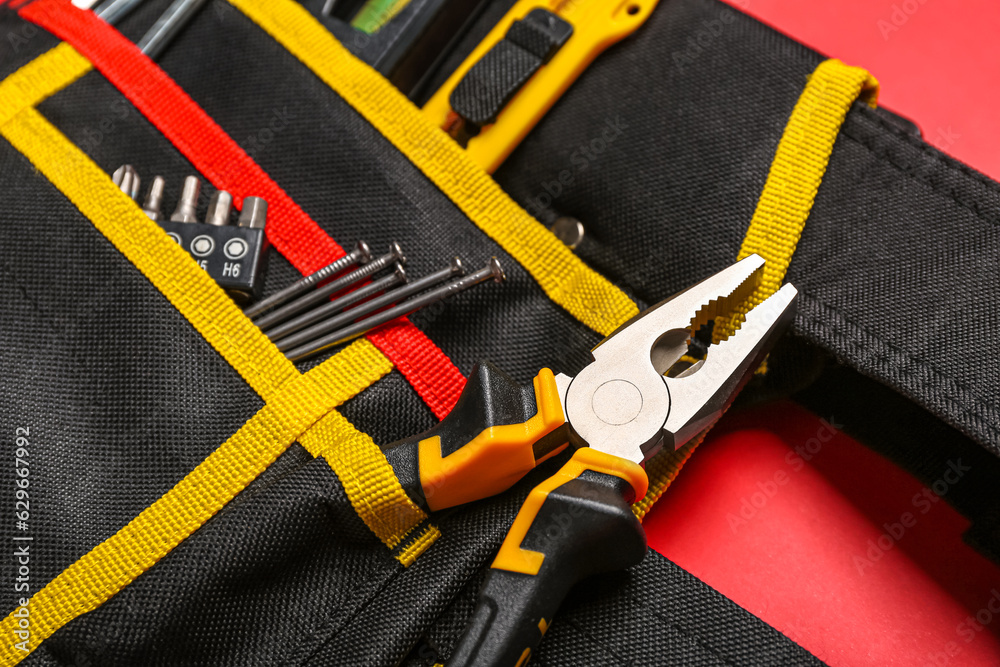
(359, 255)
(321, 293)
(492, 271)
(398, 277)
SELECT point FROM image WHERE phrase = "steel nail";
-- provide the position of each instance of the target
(323, 292)
(398, 277)
(360, 255)
(115, 10)
(492, 270)
(167, 26)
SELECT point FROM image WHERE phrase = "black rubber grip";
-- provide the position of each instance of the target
(584, 527)
(490, 398)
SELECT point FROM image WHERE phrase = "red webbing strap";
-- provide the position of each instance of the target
(227, 166)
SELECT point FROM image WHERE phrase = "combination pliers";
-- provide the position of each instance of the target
(642, 391)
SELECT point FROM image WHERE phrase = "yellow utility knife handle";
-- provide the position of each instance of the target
(597, 24)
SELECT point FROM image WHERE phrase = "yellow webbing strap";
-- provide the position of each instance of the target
(424, 539)
(798, 167)
(116, 562)
(294, 402)
(368, 480)
(48, 73)
(172, 270)
(586, 294)
(787, 198)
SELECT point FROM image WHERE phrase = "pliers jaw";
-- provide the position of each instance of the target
(629, 403)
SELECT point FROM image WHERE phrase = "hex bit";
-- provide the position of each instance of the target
(398, 277)
(360, 255)
(492, 270)
(323, 292)
(133, 192)
(125, 183)
(219, 208)
(154, 198)
(127, 179)
(254, 213)
(187, 205)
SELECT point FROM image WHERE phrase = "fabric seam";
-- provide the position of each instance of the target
(938, 155)
(845, 321)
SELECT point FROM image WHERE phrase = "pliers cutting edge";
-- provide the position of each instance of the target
(632, 400)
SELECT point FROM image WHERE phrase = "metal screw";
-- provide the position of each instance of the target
(323, 292)
(154, 198)
(492, 271)
(398, 277)
(359, 255)
(187, 206)
(219, 207)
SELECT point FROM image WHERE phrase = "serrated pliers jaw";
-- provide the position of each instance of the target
(628, 401)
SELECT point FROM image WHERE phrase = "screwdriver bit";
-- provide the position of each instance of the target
(154, 199)
(219, 207)
(187, 205)
(125, 184)
(254, 213)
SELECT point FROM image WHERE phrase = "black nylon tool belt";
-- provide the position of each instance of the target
(125, 397)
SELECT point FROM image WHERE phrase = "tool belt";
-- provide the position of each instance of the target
(197, 498)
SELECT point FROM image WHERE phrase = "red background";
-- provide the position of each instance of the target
(808, 559)
(940, 68)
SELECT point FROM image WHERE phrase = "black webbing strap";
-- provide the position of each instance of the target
(495, 79)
